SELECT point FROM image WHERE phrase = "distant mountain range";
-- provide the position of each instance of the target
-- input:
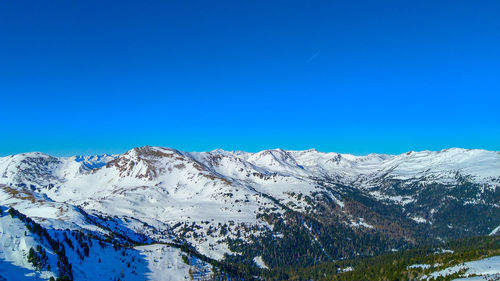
(211, 211)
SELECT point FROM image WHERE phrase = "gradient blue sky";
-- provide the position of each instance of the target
(84, 77)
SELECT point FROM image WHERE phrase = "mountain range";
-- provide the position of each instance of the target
(160, 213)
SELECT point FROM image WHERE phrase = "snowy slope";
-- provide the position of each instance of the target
(103, 261)
(14, 247)
(484, 269)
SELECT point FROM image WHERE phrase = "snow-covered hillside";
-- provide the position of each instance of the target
(483, 269)
(219, 201)
(91, 258)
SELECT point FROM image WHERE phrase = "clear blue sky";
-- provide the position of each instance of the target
(84, 77)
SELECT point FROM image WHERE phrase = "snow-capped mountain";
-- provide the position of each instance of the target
(240, 207)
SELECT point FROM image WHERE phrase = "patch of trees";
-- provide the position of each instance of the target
(306, 241)
(395, 265)
(38, 258)
(63, 265)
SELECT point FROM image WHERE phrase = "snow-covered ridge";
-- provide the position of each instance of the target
(151, 162)
(444, 164)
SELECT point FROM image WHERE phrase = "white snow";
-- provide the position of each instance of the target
(443, 251)
(495, 231)
(259, 262)
(493, 277)
(14, 247)
(346, 269)
(165, 264)
(152, 262)
(484, 267)
(419, 219)
(361, 222)
(423, 266)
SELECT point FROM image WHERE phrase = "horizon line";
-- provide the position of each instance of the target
(244, 151)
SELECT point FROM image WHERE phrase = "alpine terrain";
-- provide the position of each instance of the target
(157, 213)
